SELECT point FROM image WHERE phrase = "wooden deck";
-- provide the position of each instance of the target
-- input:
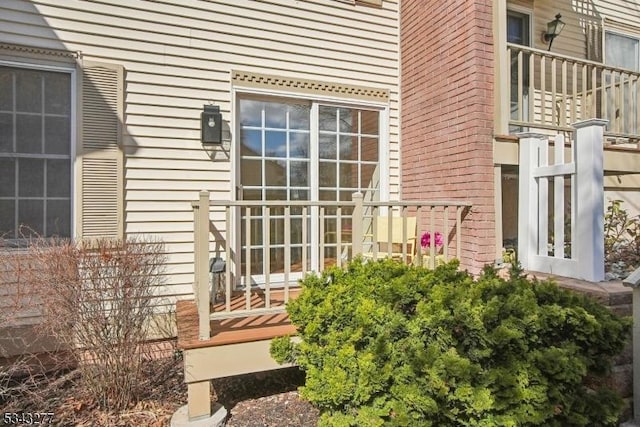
(235, 330)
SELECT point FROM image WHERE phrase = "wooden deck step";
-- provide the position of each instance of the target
(235, 330)
(258, 299)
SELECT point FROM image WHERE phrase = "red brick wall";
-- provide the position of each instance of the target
(447, 113)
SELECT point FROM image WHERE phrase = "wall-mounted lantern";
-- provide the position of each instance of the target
(211, 125)
(554, 28)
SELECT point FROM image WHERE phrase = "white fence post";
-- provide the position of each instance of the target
(590, 198)
(528, 196)
(201, 264)
(633, 281)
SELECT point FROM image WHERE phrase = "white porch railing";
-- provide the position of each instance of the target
(310, 237)
(543, 213)
(552, 91)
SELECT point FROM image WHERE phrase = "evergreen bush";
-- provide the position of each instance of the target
(388, 344)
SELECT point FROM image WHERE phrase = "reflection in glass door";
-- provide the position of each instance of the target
(348, 157)
(298, 150)
(274, 165)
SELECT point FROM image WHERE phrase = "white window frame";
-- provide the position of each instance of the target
(315, 100)
(620, 33)
(72, 71)
(529, 13)
(383, 153)
(521, 10)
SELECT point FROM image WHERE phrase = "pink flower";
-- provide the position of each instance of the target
(425, 241)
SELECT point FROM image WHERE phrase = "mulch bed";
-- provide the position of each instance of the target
(253, 400)
(266, 399)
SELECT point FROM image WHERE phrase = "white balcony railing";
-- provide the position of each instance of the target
(551, 91)
(268, 246)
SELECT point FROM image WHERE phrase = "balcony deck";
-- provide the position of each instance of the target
(235, 330)
(233, 337)
(549, 92)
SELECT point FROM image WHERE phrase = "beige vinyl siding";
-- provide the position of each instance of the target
(178, 56)
(582, 35)
(623, 11)
(571, 41)
(526, 4)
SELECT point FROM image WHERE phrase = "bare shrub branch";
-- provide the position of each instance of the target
(621, 240)
(98, 302)
(19, 311)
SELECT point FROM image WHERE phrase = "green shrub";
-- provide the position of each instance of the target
(389, 344)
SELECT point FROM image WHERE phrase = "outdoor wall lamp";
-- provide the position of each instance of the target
(211, 125)
(554, 28)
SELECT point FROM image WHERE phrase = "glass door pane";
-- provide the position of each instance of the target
(278, 163)
(624, 52)
(348, 163)
(274, 165)
(518, 32)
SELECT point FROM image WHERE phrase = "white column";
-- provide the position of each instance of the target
(497, 196)
(528, 196)
(501, 68)
(201, 265)
(589, 231)
(558, 199)
(633, 281)
(636, 355)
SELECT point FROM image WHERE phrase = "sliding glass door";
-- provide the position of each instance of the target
(302, 150)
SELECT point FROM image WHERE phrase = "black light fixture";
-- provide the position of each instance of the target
(554, 28)
(211, 125)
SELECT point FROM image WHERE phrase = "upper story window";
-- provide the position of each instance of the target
(622, 50)
(519, 32)
(35, 152)
(518, 28)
